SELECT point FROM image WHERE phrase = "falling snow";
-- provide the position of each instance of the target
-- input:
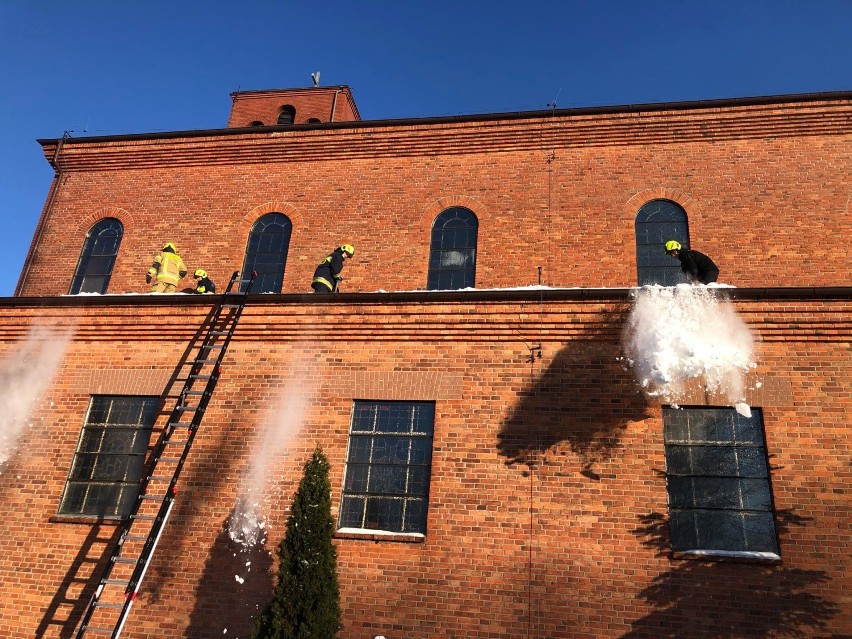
(677, 334)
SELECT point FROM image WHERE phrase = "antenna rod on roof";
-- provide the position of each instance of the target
(315, 77)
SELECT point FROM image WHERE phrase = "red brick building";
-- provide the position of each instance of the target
(542, 493)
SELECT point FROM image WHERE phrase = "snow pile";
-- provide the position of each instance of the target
(676, 334)
(25, 372)
(246, 525)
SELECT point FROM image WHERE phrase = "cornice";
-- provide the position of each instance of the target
(442, 136)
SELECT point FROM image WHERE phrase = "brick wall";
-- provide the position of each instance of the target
(324, 104)
(547, 504)
(765, 188)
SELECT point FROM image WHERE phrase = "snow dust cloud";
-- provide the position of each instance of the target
(26, 371)
(678, 333)
(246, 525)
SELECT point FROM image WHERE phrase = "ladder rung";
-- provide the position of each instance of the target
(200, 376)
(232, 305)
(193, 392)
(218, 333)
(178, 442)
(145, 517)
(135, 538)
(183, 424)
(208, 345)
(204, 361)
(169, 460)
(186, 409)
(102, 631)
(116, 582)
(152, 497)
(125, 560)
(157, 478)
(115, 606)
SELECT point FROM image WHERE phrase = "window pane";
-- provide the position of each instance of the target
(388, 466)
(657, 222)
(266, 252)
(717, 478)
(110, 457)
(452, 253)
(97, 257)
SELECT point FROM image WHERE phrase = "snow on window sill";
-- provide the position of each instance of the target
(722, 555)
(379, 535)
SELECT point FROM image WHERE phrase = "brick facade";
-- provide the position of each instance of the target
(547, 504)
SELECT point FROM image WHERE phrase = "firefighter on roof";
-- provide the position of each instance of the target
(697, 266)
(203, 283)
(166, 271)
(327, 276)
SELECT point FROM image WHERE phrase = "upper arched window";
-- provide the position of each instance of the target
(657, 222)
(266, 252)
(452, 253)
(314, 120)
(256, 123)
(287, 115)
(97, 258)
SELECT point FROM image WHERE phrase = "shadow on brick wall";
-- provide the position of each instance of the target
(582, 402)
(234, 580)
(708, 600)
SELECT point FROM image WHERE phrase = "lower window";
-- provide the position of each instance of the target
(717, 474)
(388, 467)
(110, 457)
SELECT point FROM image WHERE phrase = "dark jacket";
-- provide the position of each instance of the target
(327, 276)
(205, 285)
(697, 266)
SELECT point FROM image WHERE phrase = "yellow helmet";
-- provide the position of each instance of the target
(170, 245)
(348, 248)
(200, 272)
(671, 245)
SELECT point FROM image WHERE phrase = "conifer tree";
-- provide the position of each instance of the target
(306, 601)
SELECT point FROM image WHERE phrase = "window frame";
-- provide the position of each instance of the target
(250, 259)
(446, 240)
(711, 473)
(86, 485)
(366, 493)
(93, 236)
(653, 265)
(290, 111)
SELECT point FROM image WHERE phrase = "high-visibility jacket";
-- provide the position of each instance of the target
(167, 267)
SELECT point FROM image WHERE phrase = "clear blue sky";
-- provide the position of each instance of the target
(108, 67)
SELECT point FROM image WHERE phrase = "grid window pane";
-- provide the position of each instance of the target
(717, 476)
(388, 466)
(266, 252)
(97, 257)
(452, 253)
(657, 222)
(110, 457)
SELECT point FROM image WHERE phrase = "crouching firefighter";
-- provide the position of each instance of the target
(327, 276)
(166, 271)
(203, 284)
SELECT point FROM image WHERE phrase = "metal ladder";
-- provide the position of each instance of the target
(119, 584)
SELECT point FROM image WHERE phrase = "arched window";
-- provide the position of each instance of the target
(97, 258)
(257, 123)
(266, 252)
(314, 120)
(657, 222)
(452, 254)
(287, 115)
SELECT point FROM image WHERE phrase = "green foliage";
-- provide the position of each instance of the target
(306, 601)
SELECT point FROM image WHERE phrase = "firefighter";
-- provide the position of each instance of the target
(203, 283)
(166, 270)
(327, 276)
(697, 266)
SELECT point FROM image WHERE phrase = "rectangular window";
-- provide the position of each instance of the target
(717, 474)
(110, 456)
(388, 467)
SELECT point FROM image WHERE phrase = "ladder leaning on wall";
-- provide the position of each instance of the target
(119, 584)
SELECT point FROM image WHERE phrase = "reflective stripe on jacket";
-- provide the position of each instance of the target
(168, 267)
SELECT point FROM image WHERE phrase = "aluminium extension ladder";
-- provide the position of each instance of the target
(119, 584)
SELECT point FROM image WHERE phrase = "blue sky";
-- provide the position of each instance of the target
(101, 67)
